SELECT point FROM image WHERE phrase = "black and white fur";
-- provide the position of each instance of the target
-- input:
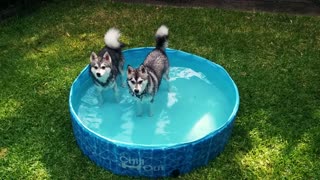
(144, 81)
(108, 64)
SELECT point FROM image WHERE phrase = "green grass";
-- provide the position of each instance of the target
(273, 58)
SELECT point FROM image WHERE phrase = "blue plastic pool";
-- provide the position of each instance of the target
(190, 126)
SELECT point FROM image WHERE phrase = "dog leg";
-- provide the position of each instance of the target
(166, 77)
(122, 79)
(100, 97)
(139, 108)
(150, 109)
(116, 93)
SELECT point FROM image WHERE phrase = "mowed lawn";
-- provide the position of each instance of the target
(273, 58)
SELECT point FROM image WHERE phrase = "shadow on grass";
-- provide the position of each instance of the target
(35, 127)
(38, 127)
(276, 132)
(279, 112)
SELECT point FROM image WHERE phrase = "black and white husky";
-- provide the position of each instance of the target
(144, 81)
(108, 64)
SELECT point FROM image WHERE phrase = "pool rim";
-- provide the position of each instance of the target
(230, 120)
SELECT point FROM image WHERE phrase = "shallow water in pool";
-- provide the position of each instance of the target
(193, 108)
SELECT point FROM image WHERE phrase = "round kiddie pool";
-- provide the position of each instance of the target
(190, 126)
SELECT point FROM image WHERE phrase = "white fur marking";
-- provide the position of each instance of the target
(142, 86)
(104, 74)
(162, 31)
(111, 38)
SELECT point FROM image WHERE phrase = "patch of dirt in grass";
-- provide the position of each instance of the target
(3, 152)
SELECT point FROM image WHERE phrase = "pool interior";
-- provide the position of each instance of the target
(200, 101)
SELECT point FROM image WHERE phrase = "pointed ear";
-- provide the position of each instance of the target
(130, 70)
(142, 69)
(93, 57)
(106, 56)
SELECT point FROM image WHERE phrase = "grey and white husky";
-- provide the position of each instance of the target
(108, 64)
(144, 81)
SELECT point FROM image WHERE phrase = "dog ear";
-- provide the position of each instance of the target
(130, 69)
(142, 69)
(93, 57)
(106, 56)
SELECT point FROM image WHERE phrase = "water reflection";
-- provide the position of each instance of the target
(186, 73)
(172, 99)
(202, 127)
(162, 123)
(90, 116)
(126, 127)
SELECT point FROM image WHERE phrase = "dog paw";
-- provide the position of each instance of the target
(100, 103)
(150, 113)
(139, 114)
(117, 99)
(100, 100)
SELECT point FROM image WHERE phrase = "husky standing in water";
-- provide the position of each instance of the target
(108, 64)
(144, 82)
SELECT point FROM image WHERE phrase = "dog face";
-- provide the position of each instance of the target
(137, 79)
(100, 67)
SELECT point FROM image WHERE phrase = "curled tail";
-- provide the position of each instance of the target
(111, 38)
(162, 36)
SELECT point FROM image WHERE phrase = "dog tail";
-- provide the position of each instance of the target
(162, 36)
(111, 38)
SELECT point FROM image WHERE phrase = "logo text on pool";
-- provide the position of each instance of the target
(128, 162)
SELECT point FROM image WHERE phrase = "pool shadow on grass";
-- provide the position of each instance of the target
(271, 130)
(277, 122)
(35, 125)
(277, 103)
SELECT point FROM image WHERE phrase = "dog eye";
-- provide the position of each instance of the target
(133, 82)
(140, 82)
(103, 67)
(95, 67)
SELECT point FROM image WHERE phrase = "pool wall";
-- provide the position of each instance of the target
(150, 161)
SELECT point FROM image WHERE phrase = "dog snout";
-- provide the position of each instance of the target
(98, 74)
(136, 91)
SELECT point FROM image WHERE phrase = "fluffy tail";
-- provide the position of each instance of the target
(162, 36)
(111, 38)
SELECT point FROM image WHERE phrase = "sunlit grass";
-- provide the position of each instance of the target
(273, 58)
